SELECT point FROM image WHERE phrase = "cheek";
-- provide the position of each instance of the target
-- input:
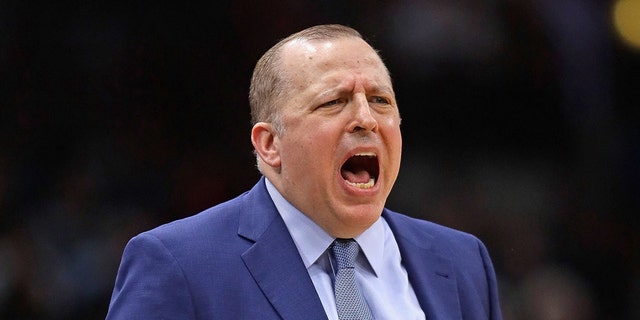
(316, 152)
(394, 141)
(304, 151)
(319, 135)
(391, 127)
(390, 121)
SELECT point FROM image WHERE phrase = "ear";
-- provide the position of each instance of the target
(265, 142)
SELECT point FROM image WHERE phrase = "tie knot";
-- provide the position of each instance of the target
(345, 252)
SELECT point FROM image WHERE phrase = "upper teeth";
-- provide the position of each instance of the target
(365, 154)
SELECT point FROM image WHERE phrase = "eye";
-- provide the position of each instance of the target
(331, 103)
(380, 100)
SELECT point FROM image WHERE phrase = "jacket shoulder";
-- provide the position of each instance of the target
(219, 218)
(414, 227)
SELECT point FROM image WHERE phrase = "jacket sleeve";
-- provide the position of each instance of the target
(150, 284)
(494, 299)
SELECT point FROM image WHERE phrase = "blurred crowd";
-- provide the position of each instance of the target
(520, 125)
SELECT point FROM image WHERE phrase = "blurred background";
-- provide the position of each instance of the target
(521, 125)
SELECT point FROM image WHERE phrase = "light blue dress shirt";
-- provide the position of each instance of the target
(379, 270)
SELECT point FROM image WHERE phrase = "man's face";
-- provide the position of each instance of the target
(341, 146)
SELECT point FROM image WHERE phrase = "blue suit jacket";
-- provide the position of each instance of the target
(237, 261)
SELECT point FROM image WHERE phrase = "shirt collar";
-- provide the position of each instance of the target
(312, 241)
(371, 243)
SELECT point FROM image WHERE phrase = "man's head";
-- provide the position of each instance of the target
(327, 127)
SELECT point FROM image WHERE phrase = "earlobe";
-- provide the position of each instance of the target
(265, 142)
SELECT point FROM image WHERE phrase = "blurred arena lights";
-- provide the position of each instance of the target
(626, 20)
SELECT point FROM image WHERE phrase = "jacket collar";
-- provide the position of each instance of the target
(430, 274)
(273, 259)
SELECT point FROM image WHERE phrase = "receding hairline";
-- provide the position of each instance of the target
(319, 33)
(267, 81)
(323, 32)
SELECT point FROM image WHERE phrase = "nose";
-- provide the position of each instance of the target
(363, 119)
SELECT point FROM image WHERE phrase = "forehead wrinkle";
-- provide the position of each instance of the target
(303, 57)
(335, 85)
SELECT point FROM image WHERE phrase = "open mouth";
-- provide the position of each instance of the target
(361, 170)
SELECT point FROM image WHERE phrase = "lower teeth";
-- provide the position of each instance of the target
(362, 185)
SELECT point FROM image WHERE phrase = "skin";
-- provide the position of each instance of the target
(340, 103)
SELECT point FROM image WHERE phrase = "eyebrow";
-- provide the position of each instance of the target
(341, 89)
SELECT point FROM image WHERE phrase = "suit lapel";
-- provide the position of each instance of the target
(430, 274)
(276, 266)
(274, 261)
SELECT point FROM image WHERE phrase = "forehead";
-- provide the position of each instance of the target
(310, 59)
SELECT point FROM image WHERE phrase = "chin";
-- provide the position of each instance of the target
(364, 215)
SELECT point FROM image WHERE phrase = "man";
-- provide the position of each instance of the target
(327, 138)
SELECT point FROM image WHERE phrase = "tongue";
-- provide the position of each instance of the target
(361, 176)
